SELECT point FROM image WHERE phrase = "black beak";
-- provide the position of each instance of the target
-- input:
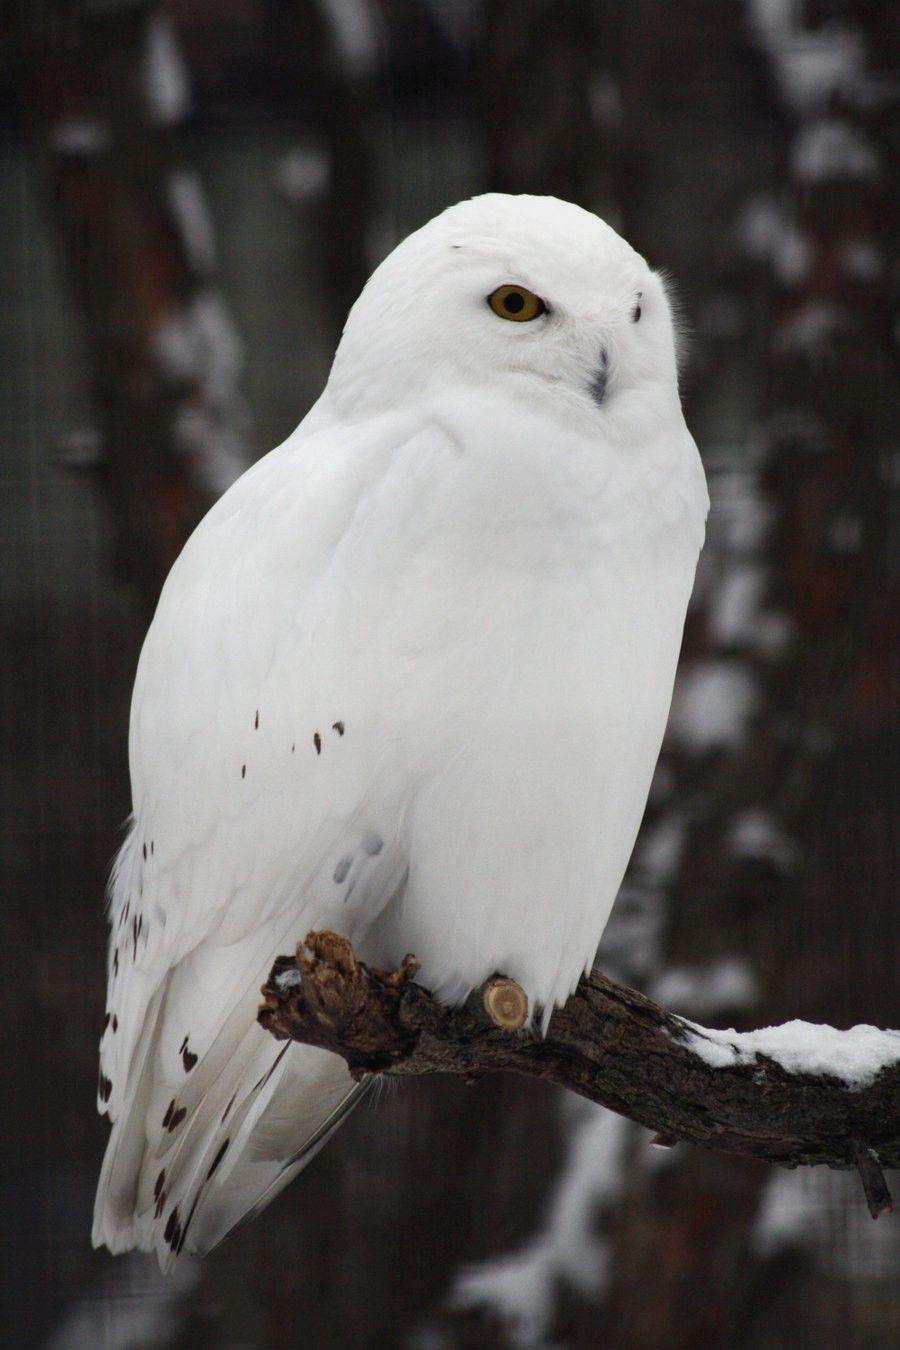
(597, 386)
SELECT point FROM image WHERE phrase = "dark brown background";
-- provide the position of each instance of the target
(762, 888)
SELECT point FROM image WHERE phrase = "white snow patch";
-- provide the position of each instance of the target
(520, 1288)
(782, 1219)
(166, 80)
(734, 611)
(756, 834)
(356, 33)
(304, 172)
(855, 1056)
(198, 345)
(200, 340)
(214, 439)
(705, 991)
(661, 848)
(713, 704)
(740, 517)
(766, 234)
(811, 65)
(188, 203)
(630, 947)
(821, 1210)
(812, 327)
(80, 136)
(829, 148)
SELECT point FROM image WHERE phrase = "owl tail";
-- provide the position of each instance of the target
(252, 1130)
(240, 1164)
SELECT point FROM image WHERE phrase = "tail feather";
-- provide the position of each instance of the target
(312, 1098)
(256, 1127)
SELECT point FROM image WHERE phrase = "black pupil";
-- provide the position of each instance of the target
(514, 303)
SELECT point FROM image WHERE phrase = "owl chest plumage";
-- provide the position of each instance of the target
(526, 660)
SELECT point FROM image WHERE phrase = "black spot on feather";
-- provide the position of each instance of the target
(169, 1110)
(106, 1021)
(115, 1023)
(338, 727)
(317, 742)
(144, 851)
(343, 867)
(116, 961)
(177, 1117)
(183, 1233)
(217, 1159)
(160, 1182)
(104, 1087)
(243, 770)
(256, 721)
(172, 1232)
(188, 1058)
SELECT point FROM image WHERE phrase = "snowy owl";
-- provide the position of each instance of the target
(407, 681)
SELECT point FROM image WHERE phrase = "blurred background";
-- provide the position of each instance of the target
(191, 196)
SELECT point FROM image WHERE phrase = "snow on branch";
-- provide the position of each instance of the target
(791, 1095)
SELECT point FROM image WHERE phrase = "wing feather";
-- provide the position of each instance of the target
(267, 800)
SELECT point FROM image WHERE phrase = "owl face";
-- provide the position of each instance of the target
(529, 295)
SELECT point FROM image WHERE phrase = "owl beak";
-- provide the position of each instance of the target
(597, 386)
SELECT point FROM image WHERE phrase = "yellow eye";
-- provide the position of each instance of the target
(514, 302)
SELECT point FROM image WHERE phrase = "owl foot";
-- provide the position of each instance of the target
(326, 997)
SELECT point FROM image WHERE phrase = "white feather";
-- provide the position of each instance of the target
(408, 681)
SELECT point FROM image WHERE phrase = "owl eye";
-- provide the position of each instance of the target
(516, 303)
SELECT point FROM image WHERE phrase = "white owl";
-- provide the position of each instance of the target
(407, 681)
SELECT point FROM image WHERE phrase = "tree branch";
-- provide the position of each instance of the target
(611, 1045)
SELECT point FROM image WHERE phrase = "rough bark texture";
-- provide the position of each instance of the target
(609, 1044)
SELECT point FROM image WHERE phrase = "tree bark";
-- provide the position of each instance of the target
(608, 1043)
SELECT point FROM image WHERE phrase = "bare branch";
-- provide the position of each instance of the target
(609, 1044)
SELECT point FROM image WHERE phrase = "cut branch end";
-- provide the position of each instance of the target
(505, 1003)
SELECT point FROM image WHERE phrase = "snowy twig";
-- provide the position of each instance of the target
(790, 1095)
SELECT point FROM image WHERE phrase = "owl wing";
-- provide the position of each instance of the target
(267, 800)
